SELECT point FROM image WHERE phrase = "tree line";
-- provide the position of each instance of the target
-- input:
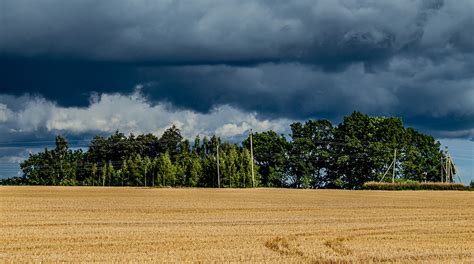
(315, 154)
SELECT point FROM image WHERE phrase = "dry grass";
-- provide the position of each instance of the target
(85, 224)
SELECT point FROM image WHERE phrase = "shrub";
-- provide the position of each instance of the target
(440, 186)
(14, 181)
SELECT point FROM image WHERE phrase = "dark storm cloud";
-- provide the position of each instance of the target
(295, 59)
(68, 81)
(408, 89)
(324, 32)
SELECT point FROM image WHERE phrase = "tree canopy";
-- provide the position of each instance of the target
(315, 154)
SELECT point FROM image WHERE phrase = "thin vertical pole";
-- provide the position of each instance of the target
(251, 157)
(442, 169)
(451, 176)
(218, 171)
(447, 168)
(394, 161)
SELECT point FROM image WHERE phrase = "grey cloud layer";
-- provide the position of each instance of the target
(324, 32)
(412, 88)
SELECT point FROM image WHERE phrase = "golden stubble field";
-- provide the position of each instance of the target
(87, 224)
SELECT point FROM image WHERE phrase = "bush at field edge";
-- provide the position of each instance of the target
(398, 186)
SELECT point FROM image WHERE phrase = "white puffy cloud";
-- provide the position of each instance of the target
(130, 114)
(4, 113)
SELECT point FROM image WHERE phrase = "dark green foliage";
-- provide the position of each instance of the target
(414, 185)
(53, 167)
(170, 142)
(118, 147)
(422, 157)
(318, 155)
(363, 148)
(14, 181)
(309, 153)
(270, 154)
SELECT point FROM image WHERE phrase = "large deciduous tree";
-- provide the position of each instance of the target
(270, 151)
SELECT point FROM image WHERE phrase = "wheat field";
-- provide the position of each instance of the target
(87, 224)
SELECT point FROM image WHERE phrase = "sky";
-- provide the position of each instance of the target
(80, 68)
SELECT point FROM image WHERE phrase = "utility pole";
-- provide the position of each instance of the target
(448, 175)
(218, 171)
(442, 169)
(251, 157)
(394, 163)
(451, 170)
(390, 166)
